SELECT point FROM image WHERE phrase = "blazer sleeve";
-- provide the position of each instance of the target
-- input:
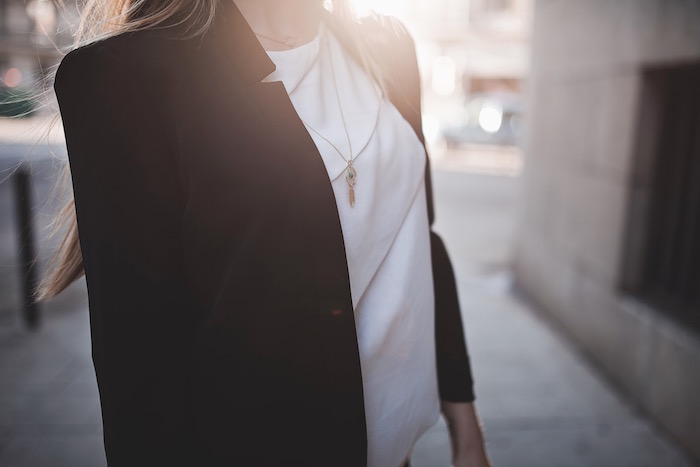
(128, 206)
(453, 365)
(455, 381)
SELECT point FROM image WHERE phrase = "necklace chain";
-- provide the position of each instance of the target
(289, 41)
(350, 172)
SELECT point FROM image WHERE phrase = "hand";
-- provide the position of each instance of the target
(465, 434)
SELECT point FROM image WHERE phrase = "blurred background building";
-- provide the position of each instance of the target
(609, 234)
(31, 34)
(488, 41)
(474, 56)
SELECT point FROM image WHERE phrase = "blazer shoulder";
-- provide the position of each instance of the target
(141, 52)
(394, 47)
(387, 32)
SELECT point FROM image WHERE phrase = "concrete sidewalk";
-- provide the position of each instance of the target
(541, 404)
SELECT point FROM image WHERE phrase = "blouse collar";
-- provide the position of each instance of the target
(311, 81)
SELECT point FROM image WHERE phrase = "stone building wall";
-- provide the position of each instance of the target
(580, 187)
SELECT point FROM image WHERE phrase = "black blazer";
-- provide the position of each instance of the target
(221, 318)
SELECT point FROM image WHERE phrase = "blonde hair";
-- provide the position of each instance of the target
(101, 19)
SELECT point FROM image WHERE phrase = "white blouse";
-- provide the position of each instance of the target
(386, 237)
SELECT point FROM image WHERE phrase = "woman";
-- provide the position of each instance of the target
(253, 218)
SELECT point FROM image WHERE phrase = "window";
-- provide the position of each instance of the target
(664, 231)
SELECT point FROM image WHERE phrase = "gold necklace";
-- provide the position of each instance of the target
(289, 41)
(350, 172)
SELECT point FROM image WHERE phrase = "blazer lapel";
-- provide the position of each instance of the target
(288, 144)
(237, 44)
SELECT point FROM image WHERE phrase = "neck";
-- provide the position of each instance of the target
(277, 21)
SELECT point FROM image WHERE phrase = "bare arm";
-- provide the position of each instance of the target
(465, 434)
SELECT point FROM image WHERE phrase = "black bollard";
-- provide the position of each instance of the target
(27, 248)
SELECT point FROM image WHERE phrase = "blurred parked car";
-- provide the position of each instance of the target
(488, 118)
(16, 102)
